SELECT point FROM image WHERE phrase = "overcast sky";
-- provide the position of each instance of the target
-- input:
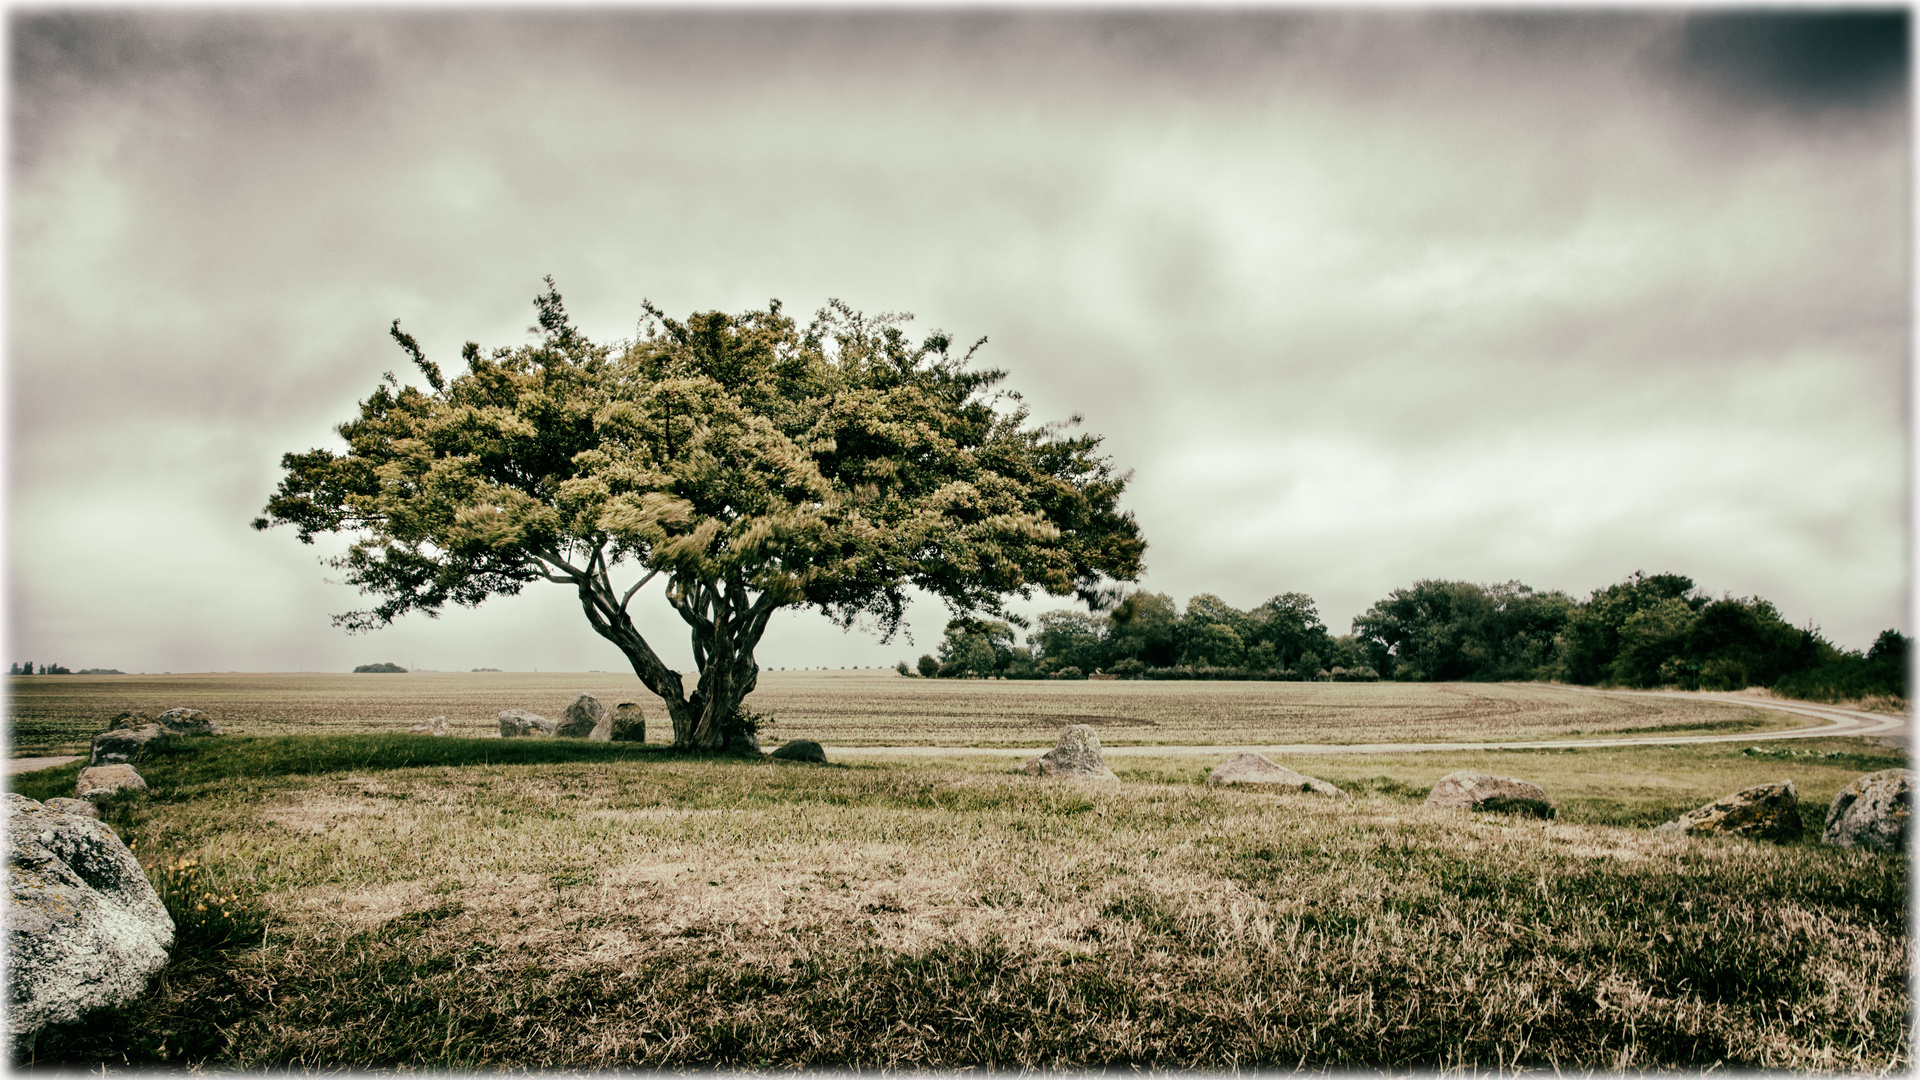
(1360, 297)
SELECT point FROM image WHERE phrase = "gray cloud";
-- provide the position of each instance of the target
(1359, 297)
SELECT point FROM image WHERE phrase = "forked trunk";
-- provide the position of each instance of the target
(709, 718)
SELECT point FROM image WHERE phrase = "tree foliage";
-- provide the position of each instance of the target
(748, 462)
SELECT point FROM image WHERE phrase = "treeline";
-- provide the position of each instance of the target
(1647, 631)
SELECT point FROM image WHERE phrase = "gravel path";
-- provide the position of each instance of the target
(29, 764)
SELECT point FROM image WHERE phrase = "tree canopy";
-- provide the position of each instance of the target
(748, 462)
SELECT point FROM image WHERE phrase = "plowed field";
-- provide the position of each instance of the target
(52, 713)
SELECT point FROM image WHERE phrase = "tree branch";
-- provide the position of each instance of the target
(651, 574)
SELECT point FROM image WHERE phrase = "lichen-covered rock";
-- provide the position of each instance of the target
(586, 718)
(801, 750)
(99, 781)
(187, 722)
(1250, 768)
(1762, 812)
(1872, 812)
(127, 744)
(433, 725)
(72, 806)
(129, 720)
(85, 928)
(1076, 757)
(1469, 790)
(519, 723)
(628, 724)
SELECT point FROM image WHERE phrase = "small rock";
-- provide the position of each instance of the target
(434, 725)
(744, 743)
(119, 747)
(801, 750)
(1075, 757)
(519, 723)
(85, 928)
(129, 720)
(72, 806)
(1872, 812)
(1253, 768)
(1763, 812)
(187, 722)
(628, 724)
(1469, 790)
(100, 781)
(586, 718)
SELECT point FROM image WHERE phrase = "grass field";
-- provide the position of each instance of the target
(471, 904)
(60, 713)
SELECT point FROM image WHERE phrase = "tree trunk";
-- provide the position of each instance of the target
(726, 627)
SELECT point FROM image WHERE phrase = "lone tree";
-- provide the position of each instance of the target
(747, 462)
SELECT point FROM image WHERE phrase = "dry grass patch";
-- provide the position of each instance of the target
(683, 913)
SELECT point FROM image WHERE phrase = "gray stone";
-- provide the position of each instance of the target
(72, 806)
(99, 781)
(1075, 757)
(433, 725)
(120, 747)
(586, 718)
(187, 722)
(801, 750)
(1872, 812)
(85, 928)
(1469, 790)
(1250, 768)
(1762, 812)
(519, 723)
(628, 724)
(744, 743)
(129, 720)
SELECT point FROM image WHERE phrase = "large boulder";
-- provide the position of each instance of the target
(1253, 768)
(1762, 812)
(519, 723)
(801, 750)
(72, 806)
(1872, 812)
(586, 718)
(1075, 757)
(85, 928)
(628, 724)
(188, 722)
(1469, 790)
(128, 744)
(99, 781)
(744, 743)
(433, 725)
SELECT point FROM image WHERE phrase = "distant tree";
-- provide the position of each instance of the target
(750, 463)
(379, 669)
(1440, 630)
(929, 667)
(54, 669)
(1145, 627)
(1289, 626)
(1590, 642)
(1214, 644)
(975, 647)
(1072, 639)
(903, 669)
